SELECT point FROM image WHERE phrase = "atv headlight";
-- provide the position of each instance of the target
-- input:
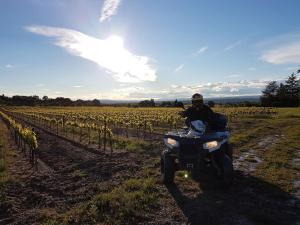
(171, 142)
(210, 145)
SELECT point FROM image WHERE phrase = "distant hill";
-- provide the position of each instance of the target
(218, 100)
(237, 99)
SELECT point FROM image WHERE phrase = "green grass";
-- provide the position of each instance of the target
(137, 146)
(284, 129)
(289, 112)
(247, 132)
(276, 167)
(125, 204)
(79, 173)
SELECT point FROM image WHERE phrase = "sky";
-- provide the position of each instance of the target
(142, 49)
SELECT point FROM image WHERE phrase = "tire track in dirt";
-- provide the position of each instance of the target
(247, 161)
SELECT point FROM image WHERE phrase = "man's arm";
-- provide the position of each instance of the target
(209, 113)
(185, 113)
(209, 110)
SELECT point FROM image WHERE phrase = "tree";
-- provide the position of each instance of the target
(61, 101)
(282, 95)
(287, 94)
(293, 89)
(269, 96)
(166, 104)
(211, 104)
(271, 89)
(178, 104)
(147, 103)
(25, 100)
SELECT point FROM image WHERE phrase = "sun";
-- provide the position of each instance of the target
(115, 41)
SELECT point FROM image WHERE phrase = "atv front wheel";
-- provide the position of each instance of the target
(196, 172)
(227, 171)
(225, 168)
(167, 169)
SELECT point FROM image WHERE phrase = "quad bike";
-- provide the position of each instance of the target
(195, 150)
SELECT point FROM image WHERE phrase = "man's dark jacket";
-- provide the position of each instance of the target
(205, 114)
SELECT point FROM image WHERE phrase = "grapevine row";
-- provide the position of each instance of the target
(23, 136)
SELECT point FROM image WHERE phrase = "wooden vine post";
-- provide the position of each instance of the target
(145, 127)
(105, 132)
(99, 137)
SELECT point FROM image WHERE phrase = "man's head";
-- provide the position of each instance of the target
(197, 100)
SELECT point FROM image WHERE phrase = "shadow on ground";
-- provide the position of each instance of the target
(248, 201)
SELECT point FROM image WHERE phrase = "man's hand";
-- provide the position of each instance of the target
(181, 113)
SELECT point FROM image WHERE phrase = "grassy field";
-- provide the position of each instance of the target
(283, 135)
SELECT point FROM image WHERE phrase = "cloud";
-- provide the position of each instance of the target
(252, 68)
(9, 66)
(13, 66)
(287, 53)
(77, 86)
(178, 68)
(109, 9)
(232, 46)
(109, 54)
(233, 75)
(293, 68)
(281, 49)
(200, 51)
(217, 89)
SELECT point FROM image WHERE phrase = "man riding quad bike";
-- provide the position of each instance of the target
(202, 145)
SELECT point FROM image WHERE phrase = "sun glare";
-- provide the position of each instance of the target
(108, 53)
(115, 41)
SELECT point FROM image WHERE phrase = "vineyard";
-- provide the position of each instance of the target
(101, 165)
(24, 137)
(106, 125)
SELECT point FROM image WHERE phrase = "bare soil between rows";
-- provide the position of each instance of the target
(68, 175)
(65, 175)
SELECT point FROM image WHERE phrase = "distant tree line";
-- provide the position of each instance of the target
(180, 104)
(241, 104)
(175, 103)
(285, 94)
(147, 103)
(151, 103)
(35, 100)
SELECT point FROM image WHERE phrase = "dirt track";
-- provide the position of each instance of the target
(69, 175)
